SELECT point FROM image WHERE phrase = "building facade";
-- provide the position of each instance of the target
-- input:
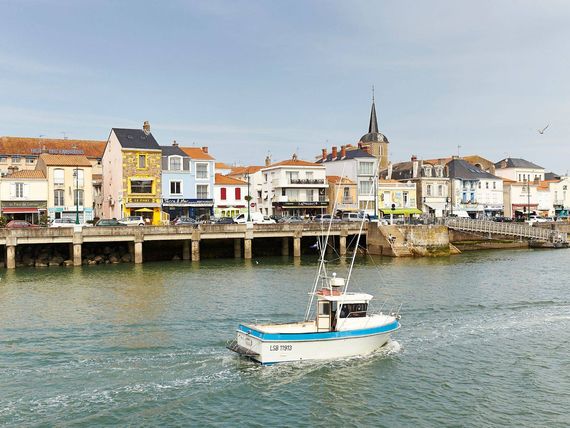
(358, 166)
(342, 195)
(23, 195)
(397, 197)
(230, 196)
(294, 187)
(132, 173)
(202, 175)
(69, 186)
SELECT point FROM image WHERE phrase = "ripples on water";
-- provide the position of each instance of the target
(484, 342)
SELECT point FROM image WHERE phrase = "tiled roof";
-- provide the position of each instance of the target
(135, 139)
(350, 154)
(241, 170)
(516, 163)
(197, 153)
(27, 173)
(224, 179)
(221, 165)
(25, 146)
(293, 162)
(172, 151)
(334, 179)
(65, 160)
(458, 168)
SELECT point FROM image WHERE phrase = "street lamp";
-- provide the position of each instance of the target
(76, 175)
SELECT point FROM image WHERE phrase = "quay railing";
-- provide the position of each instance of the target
(521, 230)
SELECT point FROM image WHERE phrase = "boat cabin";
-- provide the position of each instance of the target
(335, 307)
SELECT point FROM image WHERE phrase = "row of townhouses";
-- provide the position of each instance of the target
(130, 174)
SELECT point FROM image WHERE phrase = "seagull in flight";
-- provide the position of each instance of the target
(541, 131)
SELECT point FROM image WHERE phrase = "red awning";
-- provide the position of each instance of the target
(19, 210)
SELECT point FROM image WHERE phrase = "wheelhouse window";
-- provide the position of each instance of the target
(141, 186)
(353, 310)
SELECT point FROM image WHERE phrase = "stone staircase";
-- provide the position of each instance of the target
(398, 245)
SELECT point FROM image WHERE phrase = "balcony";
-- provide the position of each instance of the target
(306, 181)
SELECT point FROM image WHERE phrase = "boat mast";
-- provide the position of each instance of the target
(323, 249)
(374, 179)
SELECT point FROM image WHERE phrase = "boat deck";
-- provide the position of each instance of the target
(294, 327)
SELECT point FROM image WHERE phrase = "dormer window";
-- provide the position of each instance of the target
(175, 163)
(427, 171)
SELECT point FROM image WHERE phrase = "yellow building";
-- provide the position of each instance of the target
(396, 197)
(342, 194)
(132, 175)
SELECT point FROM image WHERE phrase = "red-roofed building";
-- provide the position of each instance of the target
(294, 187)
(24, 195)
(230, 196)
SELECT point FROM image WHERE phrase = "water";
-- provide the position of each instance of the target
(484, 342)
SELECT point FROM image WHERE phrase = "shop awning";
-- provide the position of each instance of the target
(143, 205)
(401, 211)
(19, 210)
(436, 205)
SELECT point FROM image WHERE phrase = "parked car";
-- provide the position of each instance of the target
(17, 224)
(109, 222)
(353, 217)
(65, 222)
(536, 219)
(224, 220)
(294, 219)
(325, 218)
(502, 219)
(184, 221)
(256, 218)
(133, 220)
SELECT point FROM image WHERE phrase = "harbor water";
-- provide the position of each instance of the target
(485, 341)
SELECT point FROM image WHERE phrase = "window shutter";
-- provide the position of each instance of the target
(238, 193)
(223, 193)
(12, 190)
(26, 190)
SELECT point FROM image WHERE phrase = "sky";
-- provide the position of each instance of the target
(255, 78)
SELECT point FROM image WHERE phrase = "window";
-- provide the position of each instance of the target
(324, 308)
(202, 170)
(480, 185)
(440, 190)
(238, 193)
(494, 185)
(175, 187)
(30, 160)
(405, 199)
(175, 163)
(486, 185)
(58, 177)
(58, 197)
(365, 187)
(223, 194)
(19, 190)
(202, 191)
(141, 186)
(292, 176)
(78, 197)
(283, 191)
(353, 310)
(310, 195)
(141, 161)
(346, 194)
(16, 159)
(428, 190)
(78, 177)
(366, 168)
(309, 175)
(3, 159)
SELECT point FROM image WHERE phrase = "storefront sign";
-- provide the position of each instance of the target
(42, 205)
(301, 204)
(188, 202)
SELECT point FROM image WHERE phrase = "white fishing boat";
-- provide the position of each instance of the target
(337, 324)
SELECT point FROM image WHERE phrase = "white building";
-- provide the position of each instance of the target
(294, 187)
(24, 195)
(254, 178)
(230, 196)
(356, 165)
(559, 190)
(519, 170)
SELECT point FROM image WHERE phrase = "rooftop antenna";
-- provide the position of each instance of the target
(64, 135)
(458, 147)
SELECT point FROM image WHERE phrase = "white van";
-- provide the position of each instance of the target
(256, 218)
(352, 217)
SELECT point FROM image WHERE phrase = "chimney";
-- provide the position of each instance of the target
(414, 158)
(174, 143)
(146, 127)
(324, 154)
(294, 156)
(205, 149)
(334, 152)
(267, 160)
(342, 152)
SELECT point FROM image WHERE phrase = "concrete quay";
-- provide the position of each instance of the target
(241, 236)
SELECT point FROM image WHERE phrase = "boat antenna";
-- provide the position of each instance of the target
(374, 179)
(323, 248)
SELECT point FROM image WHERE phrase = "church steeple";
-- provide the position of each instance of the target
(373, 126)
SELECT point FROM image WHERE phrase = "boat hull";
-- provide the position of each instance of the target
(278, 348)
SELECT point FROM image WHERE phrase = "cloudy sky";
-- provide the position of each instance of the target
(248, 78)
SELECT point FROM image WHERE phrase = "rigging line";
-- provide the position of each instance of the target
(371, 192)
(323, 247)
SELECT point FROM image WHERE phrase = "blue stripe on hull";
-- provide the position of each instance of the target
(279, 337)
